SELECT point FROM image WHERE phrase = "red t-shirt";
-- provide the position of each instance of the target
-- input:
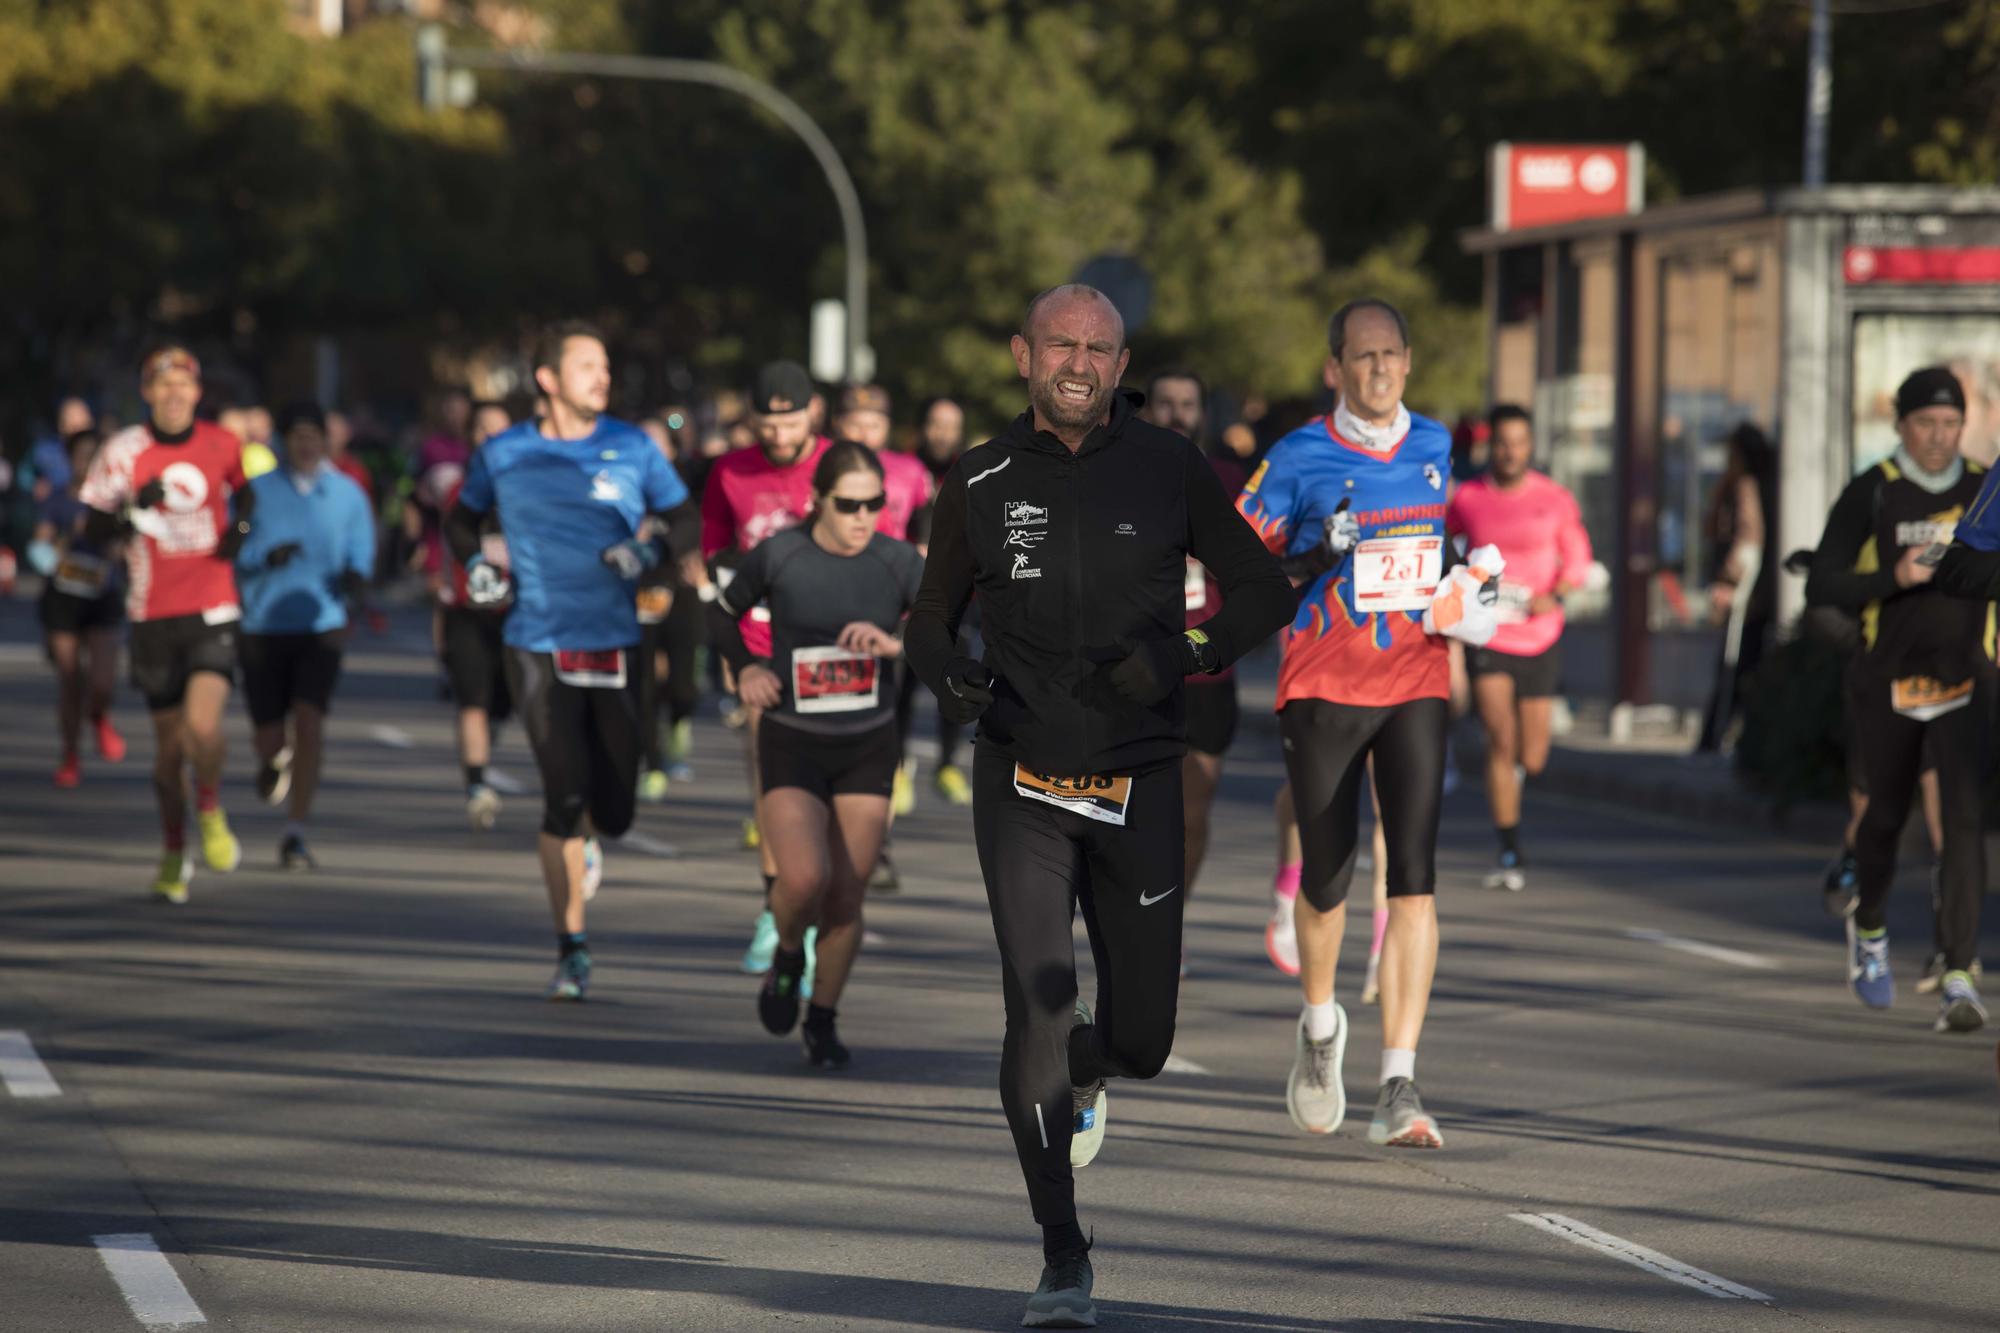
(746, 499)
(906, 485)
(172, 559)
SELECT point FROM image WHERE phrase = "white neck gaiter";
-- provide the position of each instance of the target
(1937, 483)
(1381, 439)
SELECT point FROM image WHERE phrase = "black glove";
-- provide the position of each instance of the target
(968, 691)
(280, 556)
(232, 539)
(1147, 672)
(150, 495)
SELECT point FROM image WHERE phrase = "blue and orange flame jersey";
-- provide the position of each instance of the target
(1335, 651)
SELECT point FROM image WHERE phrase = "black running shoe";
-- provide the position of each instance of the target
(1841, 890)
(824, 1051)
(1063, 1298)
(885, 879)
(293, 854)
(778, 1001)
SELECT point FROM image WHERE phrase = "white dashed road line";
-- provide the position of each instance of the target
(148, 1281)
(503, 782)
(1700, 950)
(1673, 1270)
(1177, 1065)
(639, 842)
(22, 1070)
(393, 737)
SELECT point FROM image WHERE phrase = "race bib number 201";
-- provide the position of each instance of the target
(1397, 573)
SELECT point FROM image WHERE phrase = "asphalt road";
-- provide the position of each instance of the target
(336, 1101)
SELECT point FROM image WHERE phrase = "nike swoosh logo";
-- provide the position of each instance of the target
(1144, 901)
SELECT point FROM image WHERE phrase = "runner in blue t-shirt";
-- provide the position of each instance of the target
(588, 505)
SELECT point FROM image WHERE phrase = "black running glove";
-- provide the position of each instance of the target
(1147, 672)
(968, 691)
(150, 495)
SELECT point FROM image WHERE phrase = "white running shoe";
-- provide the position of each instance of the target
(482, 806)
(1088, 1107)
(1281, 936)
(593, 867)
(1315, 1093)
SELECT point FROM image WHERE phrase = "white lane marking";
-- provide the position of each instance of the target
(1700, 950)
(503, 782)
(393, 737)
(1177, 1065)
(639, 842)
(22, 1070)
(1673, 1270)
(148, 1281)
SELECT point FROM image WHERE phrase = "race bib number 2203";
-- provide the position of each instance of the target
(1101, 796)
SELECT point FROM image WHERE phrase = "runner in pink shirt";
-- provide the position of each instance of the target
(750, 495)
(1538, 528)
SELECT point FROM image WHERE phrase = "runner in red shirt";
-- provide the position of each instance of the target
(750, 495)
(1536, 523)
(174, 480)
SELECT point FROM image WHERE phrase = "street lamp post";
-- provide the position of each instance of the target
(435, 58)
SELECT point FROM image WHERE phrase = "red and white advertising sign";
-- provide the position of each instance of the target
(1539, 184)
(1943, 264)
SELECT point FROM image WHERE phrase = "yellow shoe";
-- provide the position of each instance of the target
(653, 786)
(170, 885)
(752, 839)
(953, 786)
(903, 798)
(219, 847)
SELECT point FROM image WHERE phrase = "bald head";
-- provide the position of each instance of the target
(1064, 298)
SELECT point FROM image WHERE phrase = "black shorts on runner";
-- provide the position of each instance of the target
(1212, 713)
(280, 670)
(1327, 748)
(1535, 677)
(165, 653)
(62, 613)
(475, 660)
(581, 713)
(828, 764)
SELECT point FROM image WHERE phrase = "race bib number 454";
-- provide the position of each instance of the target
(1100, 797)
(1397, 573)
(834, 680)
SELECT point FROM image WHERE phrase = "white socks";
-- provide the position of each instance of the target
(1398, 1064)
(1320, 1021)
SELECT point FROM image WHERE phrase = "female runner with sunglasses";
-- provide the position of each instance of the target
(827, 750)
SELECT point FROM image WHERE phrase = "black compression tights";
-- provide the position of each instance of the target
(1327, 747)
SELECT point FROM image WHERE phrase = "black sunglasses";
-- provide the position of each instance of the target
(873, 504)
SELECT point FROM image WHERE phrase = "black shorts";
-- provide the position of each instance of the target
(828, 764)
(64, 614)
(475, 660)
(1535, 677)
(1327, 748)
(586, 740)
(1212, 714)
(166, 652)
(280, 670)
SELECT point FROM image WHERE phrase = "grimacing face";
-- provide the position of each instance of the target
(1073, 357)
(1373, 366)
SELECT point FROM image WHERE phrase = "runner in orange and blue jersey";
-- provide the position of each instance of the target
(1354, 505)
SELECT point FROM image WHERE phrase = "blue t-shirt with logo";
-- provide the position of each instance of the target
(561, 503)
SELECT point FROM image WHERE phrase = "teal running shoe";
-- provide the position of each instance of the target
(763, 943)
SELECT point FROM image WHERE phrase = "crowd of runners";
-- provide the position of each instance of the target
(1076, 590)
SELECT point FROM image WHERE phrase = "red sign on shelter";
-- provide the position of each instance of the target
(1539, 184)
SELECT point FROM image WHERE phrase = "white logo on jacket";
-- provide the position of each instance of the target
(1027, 541)
(1433, 476)
(1022, 570)
(605, 487)
(1021, 514)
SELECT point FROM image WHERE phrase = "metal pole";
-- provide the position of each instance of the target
(1819, 92)
(663, 69)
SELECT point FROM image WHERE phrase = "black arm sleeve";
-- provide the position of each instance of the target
(683, 523)
(1965, 572)
(746, 589)
(1257, 598)
(101, 529)
(1831, 580)
(930, 640)
(461, 532)
(243, 512)
(727, 636)
(1303, 568)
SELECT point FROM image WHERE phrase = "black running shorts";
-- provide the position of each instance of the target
(1535, 677)
(861, 763)
(475, 660)
(281, 670)
(165, 653)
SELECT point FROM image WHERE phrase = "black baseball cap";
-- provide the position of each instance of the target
(1933, 386)
(781, 386)
(864, 398)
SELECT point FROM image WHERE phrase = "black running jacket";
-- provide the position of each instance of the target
(1075, 557)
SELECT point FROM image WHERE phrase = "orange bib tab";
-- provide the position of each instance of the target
(1100, 796)
(1923, 698)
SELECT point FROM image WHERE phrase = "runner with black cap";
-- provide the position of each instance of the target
(179, 484)
(1915, 682)
(588, 504)
(752, 494)
(311, 553)
(1074, 527)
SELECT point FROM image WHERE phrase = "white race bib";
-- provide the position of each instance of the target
(834, 680)
(1397, 573)
(1515, 601)
(1195, 586)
